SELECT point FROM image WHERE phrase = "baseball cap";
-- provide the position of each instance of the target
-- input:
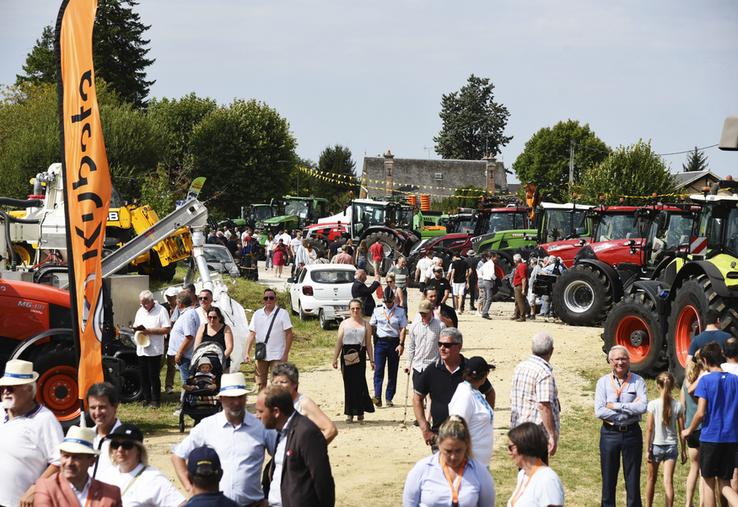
(425, 306)
(127, 432)
(477, 365)
(203, 461)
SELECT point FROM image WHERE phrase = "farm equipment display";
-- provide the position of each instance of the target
(658, 318)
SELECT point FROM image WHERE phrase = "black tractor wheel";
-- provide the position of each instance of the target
(505, 292)
(390, 246)
(582, 296)
(634, 323)
(693, 299)
(57, 387)
(130, 384)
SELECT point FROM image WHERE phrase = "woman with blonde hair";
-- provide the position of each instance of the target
(692, 442)
(451, 476)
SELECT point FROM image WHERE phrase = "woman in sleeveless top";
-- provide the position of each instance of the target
(216, 330)
(354, 335)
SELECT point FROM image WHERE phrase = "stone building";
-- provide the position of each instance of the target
(381, 176)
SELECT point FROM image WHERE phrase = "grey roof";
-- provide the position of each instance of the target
(687, 178)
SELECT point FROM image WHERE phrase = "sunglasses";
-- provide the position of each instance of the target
(447, 345)
(206, 298)
(270, 298)
(212, 316)
(9, 389)
(127, 444)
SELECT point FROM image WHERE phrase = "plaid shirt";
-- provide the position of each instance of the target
(422, 343)
(533, 382)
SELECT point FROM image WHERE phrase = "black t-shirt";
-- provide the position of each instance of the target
(448, 312)
(441, 285)
(441, 385)
(459, 266)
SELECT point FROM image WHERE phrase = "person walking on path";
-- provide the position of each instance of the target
(362, 254)
(401, 273)
(423, 265)
(360, 291)
(620, 401)
(422, 340)
(389, 323)
(664, 425)
(151, 324)
(440, 284)
(534, 396)
(216, 330)
(376, 252)
(394, 291)
(183, 333)
(472, 289)
(459, 275)
(299, 473)
(353, 346)
(270, 330)
(520, 287)
(280, 256)
(487, 280)
(717, 410)
(342, 257)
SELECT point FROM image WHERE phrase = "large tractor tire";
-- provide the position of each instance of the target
(57, 387)
(391, 247)
(693, 299)
(131, 388)
(582, 296)
(634, 323)
(505, 292)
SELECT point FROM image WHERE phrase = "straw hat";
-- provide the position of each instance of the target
(141, 339)
(171, 292)
(18, 372)
(79, 441)
(232, 384)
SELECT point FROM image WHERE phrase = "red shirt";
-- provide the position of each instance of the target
(376, 251)
(521, 273)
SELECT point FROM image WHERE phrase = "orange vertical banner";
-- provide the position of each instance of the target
(87, 185)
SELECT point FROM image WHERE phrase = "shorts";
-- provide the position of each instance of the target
(458, 288)
(717, 460)
(693, 440)
(663, 453)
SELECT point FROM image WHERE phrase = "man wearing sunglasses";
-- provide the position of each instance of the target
(205, 301)
(439, 381)
(29, 435)
(270, 325)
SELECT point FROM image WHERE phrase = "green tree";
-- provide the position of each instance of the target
(40, 66)
(337, 160)
(630, 172)
(247, 152)
(545, 158)
(301, 183)
(119, 52)
(473, 123)
(696, 161)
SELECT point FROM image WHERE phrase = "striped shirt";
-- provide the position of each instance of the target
(422, 343)
(533, 383)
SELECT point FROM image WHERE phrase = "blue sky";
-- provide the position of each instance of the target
(370, 75)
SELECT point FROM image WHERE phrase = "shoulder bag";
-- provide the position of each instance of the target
(260, 352)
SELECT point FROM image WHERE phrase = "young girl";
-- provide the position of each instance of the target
(692, 442)
(663, 427)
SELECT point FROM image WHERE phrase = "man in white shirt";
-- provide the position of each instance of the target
(422, 340)
(239, 439)
(422, 267)
(29, 435)
(152, 324)
(487, 284)
(102, 403)
(183, 333)
(277, 340)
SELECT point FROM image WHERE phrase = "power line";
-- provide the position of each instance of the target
(687, 151)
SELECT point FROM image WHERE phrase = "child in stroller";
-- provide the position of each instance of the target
(199, 393)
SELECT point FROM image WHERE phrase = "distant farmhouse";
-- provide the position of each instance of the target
(385, 176)
(692, 182)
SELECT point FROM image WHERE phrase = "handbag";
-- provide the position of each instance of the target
(351, 358)
(260, 351)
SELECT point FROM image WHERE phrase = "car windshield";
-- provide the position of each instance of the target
(263, 212)
(617, 227)
(466, 225)
(332, 276)
(370, 214)
(221, 255)
(299, 208)
(505, 221)
(731, 232)
(678, 231)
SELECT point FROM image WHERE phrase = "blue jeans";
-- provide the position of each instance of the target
(184, 370)
(384, 351)
(630, 445)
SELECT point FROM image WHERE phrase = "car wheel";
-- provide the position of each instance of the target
(303, 315)
(324, 324)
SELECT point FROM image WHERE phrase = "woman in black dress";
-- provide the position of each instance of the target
(353, 346)
(216, 330)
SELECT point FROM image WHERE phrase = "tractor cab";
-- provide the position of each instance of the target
(307, 209)
(557, 222)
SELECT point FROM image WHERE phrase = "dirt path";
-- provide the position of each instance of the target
(370, 461)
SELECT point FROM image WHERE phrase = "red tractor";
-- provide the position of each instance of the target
(628, 244)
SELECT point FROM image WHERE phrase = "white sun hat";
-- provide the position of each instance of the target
(18, 372)
(232, 384)
(79, 441)
(141, 339)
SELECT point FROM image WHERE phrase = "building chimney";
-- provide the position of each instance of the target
(489, 170)
(389, 162)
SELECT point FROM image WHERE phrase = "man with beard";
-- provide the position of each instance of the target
(239, 439)
(29, 435)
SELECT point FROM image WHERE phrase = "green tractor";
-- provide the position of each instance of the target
(297, 213)
(430, 223)
(658, 318)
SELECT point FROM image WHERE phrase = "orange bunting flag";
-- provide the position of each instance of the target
(87, 185)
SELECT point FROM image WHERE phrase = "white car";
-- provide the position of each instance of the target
(323, 290)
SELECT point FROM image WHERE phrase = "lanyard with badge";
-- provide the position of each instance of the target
(389, 317)
(619, 388)
(455, 485)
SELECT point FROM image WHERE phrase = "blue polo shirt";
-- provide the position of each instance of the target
(389, 321)
(720, 389)
(706, 337)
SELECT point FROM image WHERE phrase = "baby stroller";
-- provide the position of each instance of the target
(201, 401)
